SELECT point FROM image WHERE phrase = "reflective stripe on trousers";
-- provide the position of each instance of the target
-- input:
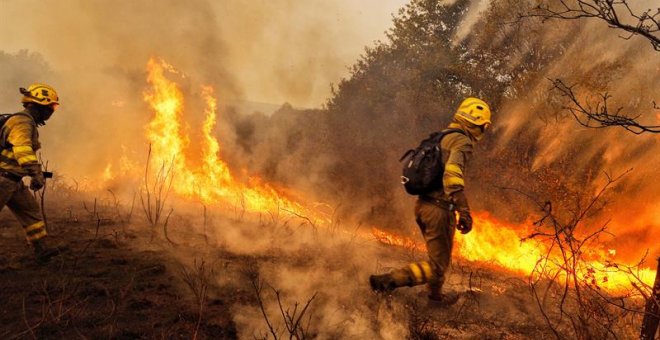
(17, 197)
(438, 226)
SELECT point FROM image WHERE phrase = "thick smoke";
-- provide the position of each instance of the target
(331, 267)
(95, 53)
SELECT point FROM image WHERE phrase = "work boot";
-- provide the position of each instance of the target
(443, 300)
(42, 252)
(382, 283)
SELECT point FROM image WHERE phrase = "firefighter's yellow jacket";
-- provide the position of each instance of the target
(19, 141)
(456, 151)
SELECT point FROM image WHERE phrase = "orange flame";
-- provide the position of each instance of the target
(212, 182)
(499, 244)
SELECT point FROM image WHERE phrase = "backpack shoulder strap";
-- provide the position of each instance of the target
(411, 151)
(445, 132)
(454, 130)
(9, 115)
(5, 116)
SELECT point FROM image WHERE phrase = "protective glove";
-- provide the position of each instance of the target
(464, 217)
(37, 181)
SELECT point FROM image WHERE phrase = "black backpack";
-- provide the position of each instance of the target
(423, 167)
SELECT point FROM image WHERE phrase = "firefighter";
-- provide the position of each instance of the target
(436, 213)
(19, 140)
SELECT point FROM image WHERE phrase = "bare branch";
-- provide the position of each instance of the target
(597, 114)
(616, 13)
(258, 286)
(198, 278)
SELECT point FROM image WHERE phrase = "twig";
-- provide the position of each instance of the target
(312, 224)
(30, 328)
(258, 287)
(167, 219)
(206, 238)
(198, 280)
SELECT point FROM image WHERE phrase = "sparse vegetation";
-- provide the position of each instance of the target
(296, 320)
(154, 194)
(567, 287)
(198, 278)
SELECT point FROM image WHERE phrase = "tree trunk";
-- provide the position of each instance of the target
(652, 312)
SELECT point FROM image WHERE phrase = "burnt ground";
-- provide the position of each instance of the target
(100, 287)
(116, 280)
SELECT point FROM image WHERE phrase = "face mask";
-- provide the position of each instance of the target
(43, 113)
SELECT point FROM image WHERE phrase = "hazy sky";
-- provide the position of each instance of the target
(272, 51)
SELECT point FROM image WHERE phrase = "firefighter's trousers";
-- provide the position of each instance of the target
(17, 197)
(438, 226)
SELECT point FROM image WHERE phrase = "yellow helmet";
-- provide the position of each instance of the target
(474, 111)
(41, 94)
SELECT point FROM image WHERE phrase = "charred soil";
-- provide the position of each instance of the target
(101, 286)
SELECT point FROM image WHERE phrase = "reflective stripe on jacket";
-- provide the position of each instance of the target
(456, 151)
(19, 141)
